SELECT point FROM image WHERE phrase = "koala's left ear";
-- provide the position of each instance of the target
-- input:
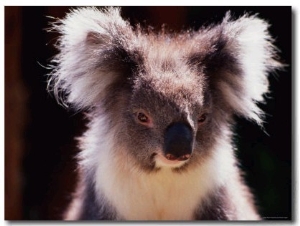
(95, 49)
(238, 60)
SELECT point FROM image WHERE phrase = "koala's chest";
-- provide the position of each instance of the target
(161, 196)
(155, 200)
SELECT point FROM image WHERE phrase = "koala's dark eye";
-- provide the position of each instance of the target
(142, 117)
(202, 118)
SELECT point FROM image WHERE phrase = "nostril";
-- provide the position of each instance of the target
(170, 157)
(184, 157)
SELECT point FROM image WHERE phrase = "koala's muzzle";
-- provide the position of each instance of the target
(178, 143)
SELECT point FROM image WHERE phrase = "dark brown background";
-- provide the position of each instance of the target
(39, 134)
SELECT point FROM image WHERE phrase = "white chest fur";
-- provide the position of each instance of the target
(164, 195)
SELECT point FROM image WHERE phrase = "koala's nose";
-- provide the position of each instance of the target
(178, 143)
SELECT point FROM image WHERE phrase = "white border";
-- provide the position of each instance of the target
(153, 2)
(2, 114)
(293, 3)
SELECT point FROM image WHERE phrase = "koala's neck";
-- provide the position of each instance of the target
(161, 195)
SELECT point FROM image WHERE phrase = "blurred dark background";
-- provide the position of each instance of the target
(40, 171)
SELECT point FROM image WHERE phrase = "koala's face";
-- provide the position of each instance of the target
(166, 114)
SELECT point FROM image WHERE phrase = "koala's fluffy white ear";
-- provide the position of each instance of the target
(241, 56)
(91, 41)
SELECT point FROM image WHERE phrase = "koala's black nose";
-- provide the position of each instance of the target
(178, 143)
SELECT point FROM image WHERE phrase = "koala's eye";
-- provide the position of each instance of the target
(142, 117)
(202, 118)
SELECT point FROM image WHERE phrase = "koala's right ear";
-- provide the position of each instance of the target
(95, 49)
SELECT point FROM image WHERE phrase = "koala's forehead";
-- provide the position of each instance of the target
(167, 74)
(166, 53)
(181, 90)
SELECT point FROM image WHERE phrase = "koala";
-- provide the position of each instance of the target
(161, 109)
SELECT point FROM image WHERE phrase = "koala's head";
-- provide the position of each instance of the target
(169, 97)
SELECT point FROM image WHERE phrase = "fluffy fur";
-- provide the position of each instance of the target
(117, 72)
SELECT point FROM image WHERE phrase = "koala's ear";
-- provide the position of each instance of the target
(238, 57)
(94, 51)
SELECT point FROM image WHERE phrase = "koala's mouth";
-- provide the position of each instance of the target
(161, 161)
